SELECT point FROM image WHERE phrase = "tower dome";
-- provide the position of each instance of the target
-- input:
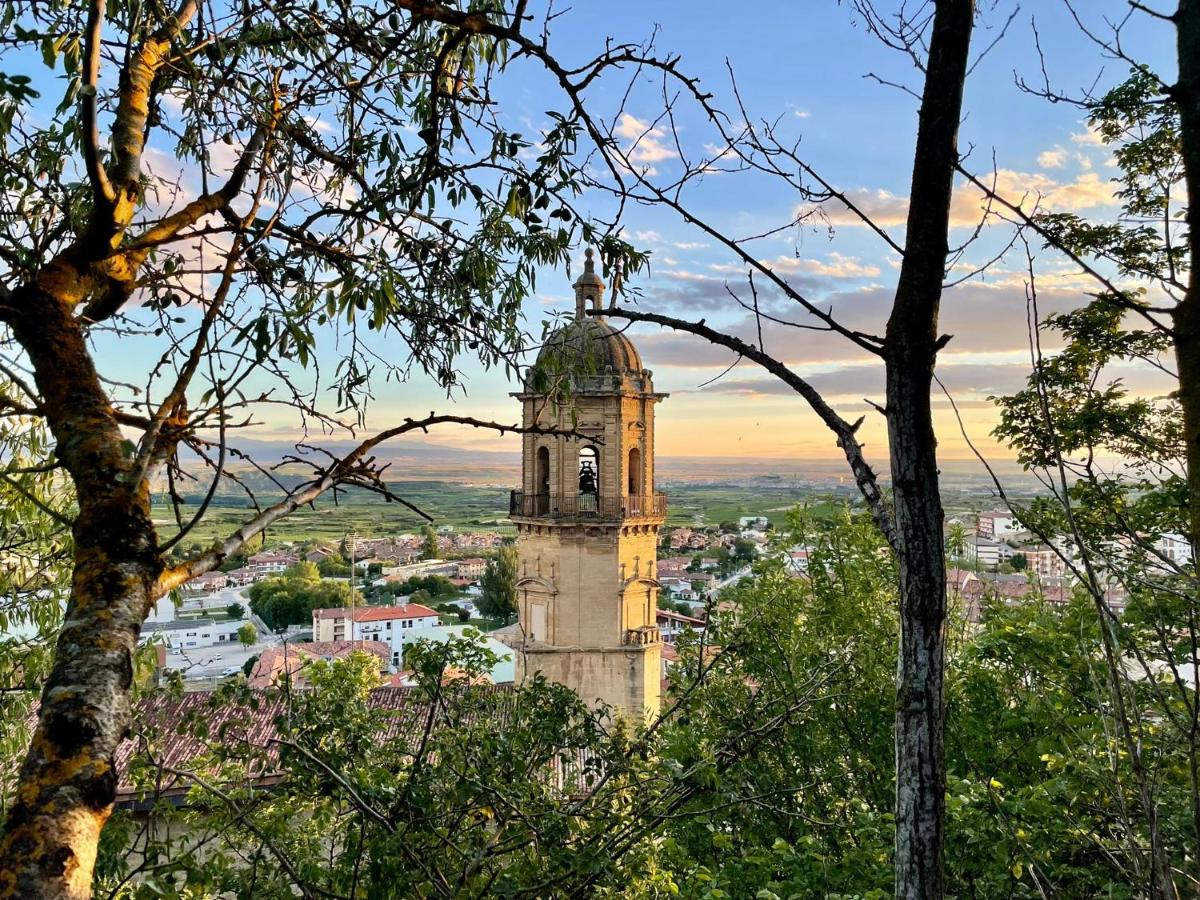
(587, 348)
(590, 346)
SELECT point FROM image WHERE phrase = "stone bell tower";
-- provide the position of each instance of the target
(587, 515)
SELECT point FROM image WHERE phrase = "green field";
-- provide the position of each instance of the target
(484, 508)
(469, 508)
(466, 507)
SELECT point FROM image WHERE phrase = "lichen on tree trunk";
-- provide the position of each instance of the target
(68, 779)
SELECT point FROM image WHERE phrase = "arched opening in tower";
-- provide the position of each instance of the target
(541, 468)
(635, 472)
(589, 477)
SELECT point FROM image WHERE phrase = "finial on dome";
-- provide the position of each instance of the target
(589, 288)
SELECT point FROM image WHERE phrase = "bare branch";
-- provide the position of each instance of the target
(845, 432)
(347, 468)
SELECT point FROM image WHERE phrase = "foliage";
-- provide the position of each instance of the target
(235, 611)
(334, 566)
(35, 560)
(499, 585)
(429, 543)
(290, 598)
(468, 803)
(418, 588)
(247, 635)
(1114, 522)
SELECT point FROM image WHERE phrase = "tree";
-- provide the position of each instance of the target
(956, 540)
(332, 566)
(499, 585)
(1153, 306)
(939, 45)
(290, 598)
(745, 551)
(235, 611)
(1019, 562)
(342, 173)
(429, 543)
(247, 635)
(464, 616)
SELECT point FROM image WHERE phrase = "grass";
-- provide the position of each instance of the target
(483, 508)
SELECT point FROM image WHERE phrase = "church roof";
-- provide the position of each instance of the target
(589, 346)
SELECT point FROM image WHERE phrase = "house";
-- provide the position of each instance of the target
(392, 625)
(188, 634)
(505, 669)
(673, 567)
(709, 562)
(679, 538)
(208, 582)
(753, 523)
(254, 726)
(1044, 561)
(271, 562)
(672, 624)
(997, 525)
(797, 560)
(243, 576)
(290, 659)
(471, 569)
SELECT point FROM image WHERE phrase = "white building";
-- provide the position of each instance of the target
(997, 525)
(672, 624)
(187, 634)
(505, 669)
(391, 625)
(986, 552)
(1174, 547)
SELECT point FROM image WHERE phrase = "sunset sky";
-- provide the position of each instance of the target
(807, 68)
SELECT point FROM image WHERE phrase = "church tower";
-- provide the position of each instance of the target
(588, 517)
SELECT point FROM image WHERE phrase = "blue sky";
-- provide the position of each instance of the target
(805, 64)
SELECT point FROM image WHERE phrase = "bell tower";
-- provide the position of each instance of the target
(587, 515)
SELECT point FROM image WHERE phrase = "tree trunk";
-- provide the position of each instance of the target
(1186, 316)
(910, 354)
(68, 780)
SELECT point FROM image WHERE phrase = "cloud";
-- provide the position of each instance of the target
(968, 383)
(1090, 137)
(834, 266)
(968, 203)
(982, 320)
(1052, 159)
(646, 145)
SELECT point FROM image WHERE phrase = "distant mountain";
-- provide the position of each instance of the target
(422, 460)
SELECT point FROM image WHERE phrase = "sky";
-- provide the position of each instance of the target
(808, 65)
